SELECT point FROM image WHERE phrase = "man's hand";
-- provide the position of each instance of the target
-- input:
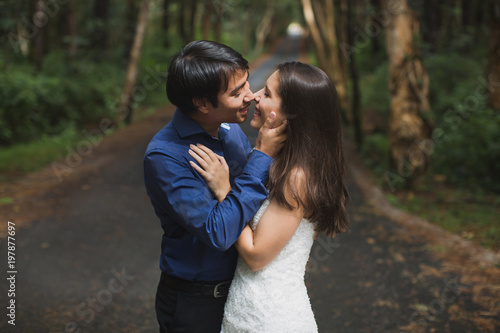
(271, 136)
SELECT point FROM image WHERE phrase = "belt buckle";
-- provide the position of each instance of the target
(216, 290)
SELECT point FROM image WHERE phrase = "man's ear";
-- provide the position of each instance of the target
(201, 104)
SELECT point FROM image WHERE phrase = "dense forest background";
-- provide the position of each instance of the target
(418, 82)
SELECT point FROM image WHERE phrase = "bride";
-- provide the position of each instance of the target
(307, 195)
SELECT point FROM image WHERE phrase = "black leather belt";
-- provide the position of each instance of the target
(215, 289)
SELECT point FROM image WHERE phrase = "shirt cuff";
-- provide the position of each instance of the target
(258, 165)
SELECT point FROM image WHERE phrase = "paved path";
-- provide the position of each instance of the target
(91, 265)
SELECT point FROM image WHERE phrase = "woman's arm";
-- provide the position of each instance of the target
(274, 230)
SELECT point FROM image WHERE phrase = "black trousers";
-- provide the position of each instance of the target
(180, 312)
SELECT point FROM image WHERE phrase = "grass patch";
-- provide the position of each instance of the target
(33, 156)
(6, 201)
(472, 214)
(469, 211)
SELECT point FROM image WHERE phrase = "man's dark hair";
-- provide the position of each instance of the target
(202, 69)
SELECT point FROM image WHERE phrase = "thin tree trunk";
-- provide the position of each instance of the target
(181, 22)
(207, 19)
(71, 28)
(315, 34)
(264, 28)
(494, 57)
(446, 18)
(356, 95)
(39, 40)
(218, 6)
(135, 54)
(328, 53)
(165, 22)
(100, 37)
(247, 33)
(409, 124)
(130, 26)
(432, 10)
(193, 8)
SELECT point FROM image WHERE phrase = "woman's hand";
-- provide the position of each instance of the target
(213, 168)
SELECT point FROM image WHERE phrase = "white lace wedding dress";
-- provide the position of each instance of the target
(275, 298)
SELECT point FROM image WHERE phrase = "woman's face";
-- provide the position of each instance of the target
(267, 100)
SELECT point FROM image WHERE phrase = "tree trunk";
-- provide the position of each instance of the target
(444, 34)
(39, 40)
(315, 34)
(100, 37)
(218, 6)
(326, 43)
(409, 124)
(263, 29)
(70, 28)
(165, 22)
(193, 8)
(247, 32)
(130, 26)
(356, 95)
(132, 70)
(207, 19)
(432, 10)
(181, 22)
(494, 57)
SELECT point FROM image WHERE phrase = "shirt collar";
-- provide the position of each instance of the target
(186, 126)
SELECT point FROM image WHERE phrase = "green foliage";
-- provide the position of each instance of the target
(375, 153)
(64, 93)
(374, 93)
(467, 134)
(470, 151)
(34, 155)
(29, 105)
(471, 213)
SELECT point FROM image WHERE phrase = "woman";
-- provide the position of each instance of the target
(307, 194)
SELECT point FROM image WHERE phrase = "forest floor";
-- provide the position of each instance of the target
(87, 247)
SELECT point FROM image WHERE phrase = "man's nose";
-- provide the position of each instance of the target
(249, 96)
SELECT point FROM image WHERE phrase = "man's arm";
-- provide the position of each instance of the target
(178, 190)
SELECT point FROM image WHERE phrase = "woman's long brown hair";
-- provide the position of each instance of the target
(314, 146)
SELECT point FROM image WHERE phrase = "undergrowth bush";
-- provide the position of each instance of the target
(62, 95)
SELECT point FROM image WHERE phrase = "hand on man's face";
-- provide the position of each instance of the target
(272, 136)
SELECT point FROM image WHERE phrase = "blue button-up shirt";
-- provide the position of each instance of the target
(199, 232)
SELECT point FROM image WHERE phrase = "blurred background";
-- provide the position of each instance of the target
(82, 91)
(418, 82)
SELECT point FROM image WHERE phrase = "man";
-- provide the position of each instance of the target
(208, 82)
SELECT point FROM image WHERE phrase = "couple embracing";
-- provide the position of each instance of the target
(239, 222)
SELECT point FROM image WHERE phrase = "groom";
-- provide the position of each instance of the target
(208, 82)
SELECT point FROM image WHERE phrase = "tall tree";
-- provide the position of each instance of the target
(132, 70)
(494, 56)
(207, 19)
(247, 32)
(219, 9)
(432, 22)
(264, 28)
(321, 24)
(347, 12)
(100, 35)
(130, 26)
(69, 27)
(409, 123)
(165, 22)
(40, 21)
(193, 9)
